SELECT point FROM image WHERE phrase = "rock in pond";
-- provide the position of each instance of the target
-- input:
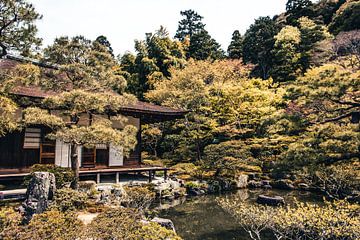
(166, 223)
(284, 184)
(272, 201)
(40, 192)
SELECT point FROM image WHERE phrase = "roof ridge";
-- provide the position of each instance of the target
(32, 61)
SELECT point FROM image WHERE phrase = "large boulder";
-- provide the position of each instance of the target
(166, 223)
(272, 201)
(40, 192)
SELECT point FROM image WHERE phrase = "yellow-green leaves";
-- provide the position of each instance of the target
(337, 220)
(79, 101)
(38, 116)
(7, 115)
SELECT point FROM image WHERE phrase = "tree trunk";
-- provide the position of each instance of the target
(74, 165)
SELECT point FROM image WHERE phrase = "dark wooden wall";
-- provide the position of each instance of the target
(12, 154)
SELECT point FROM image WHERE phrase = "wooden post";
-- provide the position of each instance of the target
(117, 179)
(150, 176)
(98, 178)
(165, 174)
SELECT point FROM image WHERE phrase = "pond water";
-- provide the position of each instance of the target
(200, 218)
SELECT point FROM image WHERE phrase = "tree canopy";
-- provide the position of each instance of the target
(17, 27)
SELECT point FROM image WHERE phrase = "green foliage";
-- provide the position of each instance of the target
(125, 223)
(9, 219)
(204, 47)
(324, 94)
(337, 220)
(296, 9)
(155, 56)
(190, 25)
(346, 17)
(286, 63)
(67, 199)
(48, 225)
(191, 89)
(18, 29)
(327, 144)
(185, 171)
(63, 176)
(138, 197)
(338, 181)
(86, 65)
(7, 115)
(235, 49)
(105, 42)
(258, 43)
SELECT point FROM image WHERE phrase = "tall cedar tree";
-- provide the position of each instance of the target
(258, 43)
(190, 25)
(235, 49)
(17, 28)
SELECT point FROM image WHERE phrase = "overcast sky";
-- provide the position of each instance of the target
(123, 21)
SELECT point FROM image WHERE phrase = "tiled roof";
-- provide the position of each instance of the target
(37, 92)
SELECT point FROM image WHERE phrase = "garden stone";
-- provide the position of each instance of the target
(267, 186)
(303, 186)
(242, 181)
(87, 186)
(272, 201)
(40, 192)
(118, 191)
(166, 223)
(283, 184)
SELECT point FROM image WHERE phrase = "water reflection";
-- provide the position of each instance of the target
(201, 218)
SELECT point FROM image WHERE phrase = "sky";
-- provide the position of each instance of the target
(123, 21)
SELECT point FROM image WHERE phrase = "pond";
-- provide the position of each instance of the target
(198, 218)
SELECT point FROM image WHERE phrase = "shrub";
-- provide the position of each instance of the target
(185, 170)
(63, 176)
(125, 224)
(9, 220)
(337, 220)
(338, 181)
(48, 225)
(138, 197)
(67, 199)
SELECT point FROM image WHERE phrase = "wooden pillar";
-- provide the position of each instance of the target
(150, 176)
(98, 178)
(117, 179)
(165, 174)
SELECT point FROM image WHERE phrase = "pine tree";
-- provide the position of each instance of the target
(17, 28)
(203, 46)
(298, 8)
(105, 42)
(235, 48)
(190, 25)
(258, 43)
